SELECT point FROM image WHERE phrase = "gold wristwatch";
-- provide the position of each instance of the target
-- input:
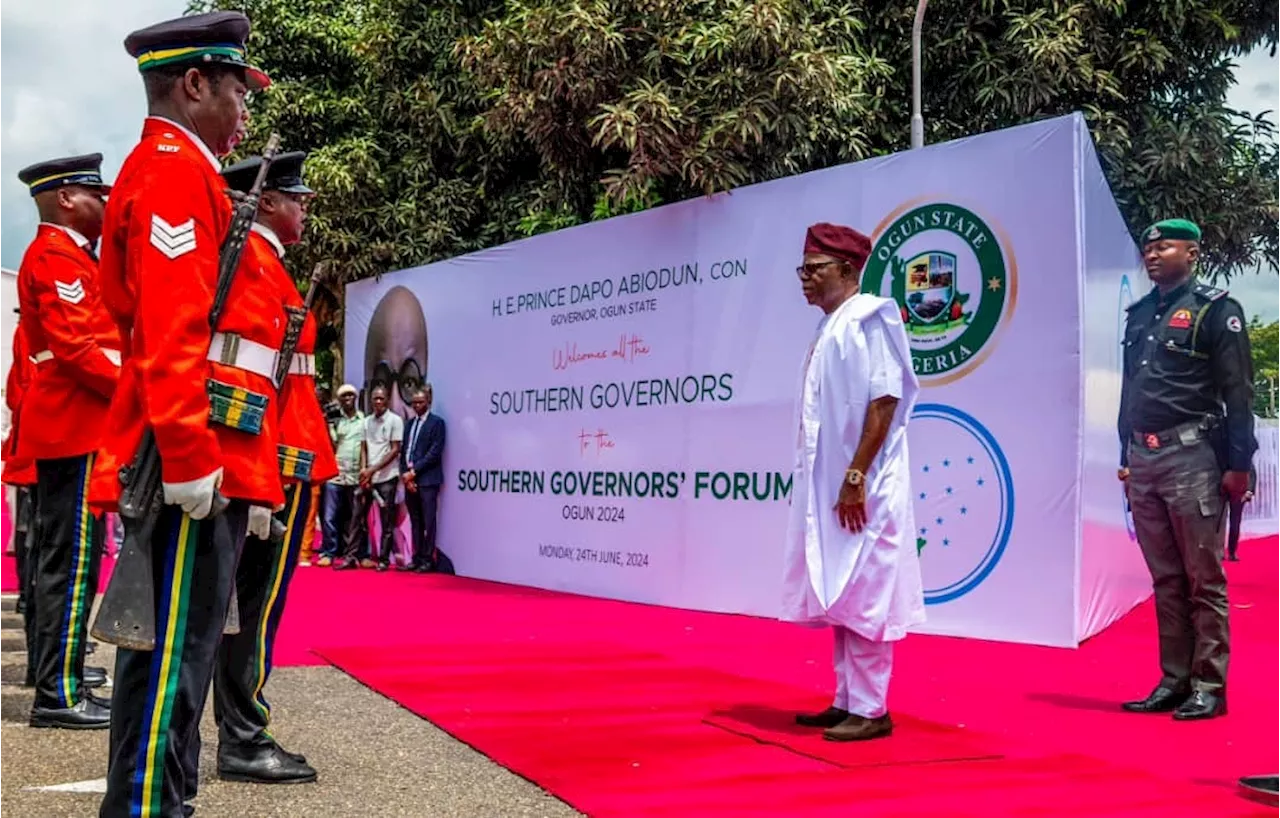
(854, 477)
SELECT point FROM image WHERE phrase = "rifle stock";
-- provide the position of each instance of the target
(127, 614)
(131, 591)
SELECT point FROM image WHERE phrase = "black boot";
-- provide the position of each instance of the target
(94, 676)
(87, 715)
(298, 757)
(261, 764)
(1202, 705)
(1161, 700)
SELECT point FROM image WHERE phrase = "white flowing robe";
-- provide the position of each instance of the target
(868, 582)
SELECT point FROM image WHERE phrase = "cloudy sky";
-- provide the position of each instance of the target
(67, 87)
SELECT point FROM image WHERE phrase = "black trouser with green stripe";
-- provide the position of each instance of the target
(159, 695)
(245, 659)
(64, 569)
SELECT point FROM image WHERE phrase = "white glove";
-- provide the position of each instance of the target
(195, 496)
(260, 522)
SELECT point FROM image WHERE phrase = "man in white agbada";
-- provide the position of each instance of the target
(851, 559)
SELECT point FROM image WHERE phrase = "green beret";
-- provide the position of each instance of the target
(1183, 229)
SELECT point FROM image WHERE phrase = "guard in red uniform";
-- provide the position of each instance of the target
(14, 472)
(21, 476)
(20, 473)
(206, 393)
(246, 749)
(75, 350)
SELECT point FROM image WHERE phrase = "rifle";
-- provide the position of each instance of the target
(292, 335)
(293, 329)
(127, 615)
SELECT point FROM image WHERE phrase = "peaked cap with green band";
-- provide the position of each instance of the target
(1181, 229)
(194, 40)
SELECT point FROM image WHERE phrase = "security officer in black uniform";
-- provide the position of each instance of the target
(1186, 435)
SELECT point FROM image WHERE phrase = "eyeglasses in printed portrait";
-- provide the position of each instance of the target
(395, 353)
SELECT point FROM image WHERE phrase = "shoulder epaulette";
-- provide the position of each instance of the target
(1208, 293)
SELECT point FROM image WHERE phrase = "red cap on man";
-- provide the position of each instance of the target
(839, 242)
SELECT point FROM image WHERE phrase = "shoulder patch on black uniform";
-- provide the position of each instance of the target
(1208, 293)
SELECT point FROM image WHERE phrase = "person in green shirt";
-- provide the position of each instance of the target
(339, 526)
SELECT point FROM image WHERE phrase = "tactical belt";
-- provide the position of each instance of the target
(113, 355)
(295, 463)
(1182, 435)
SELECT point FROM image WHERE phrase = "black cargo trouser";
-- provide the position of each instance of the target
(1175, 495)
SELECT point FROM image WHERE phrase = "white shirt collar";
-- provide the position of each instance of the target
(75, 236)
(270, 235)
(197, 141)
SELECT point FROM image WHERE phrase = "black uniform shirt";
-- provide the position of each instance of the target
(1186, 356)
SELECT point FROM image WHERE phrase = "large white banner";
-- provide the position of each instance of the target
(619, 396)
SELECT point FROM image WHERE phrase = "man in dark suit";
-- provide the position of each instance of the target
(422, 473)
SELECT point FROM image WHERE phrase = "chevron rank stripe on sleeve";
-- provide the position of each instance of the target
(72, 293)
(173, 240)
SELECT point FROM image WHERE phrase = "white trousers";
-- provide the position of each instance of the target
(863, 669)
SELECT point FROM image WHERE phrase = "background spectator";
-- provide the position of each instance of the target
(383, 433)
(422, 474)
(341, 525)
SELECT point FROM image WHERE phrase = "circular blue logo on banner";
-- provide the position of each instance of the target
(963, 495)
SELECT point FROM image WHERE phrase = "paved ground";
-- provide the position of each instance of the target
(374, 757)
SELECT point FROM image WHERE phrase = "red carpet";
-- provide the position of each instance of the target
(772, 721)
(624, 709)
(617, 732)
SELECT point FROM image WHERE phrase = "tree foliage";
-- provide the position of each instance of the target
(1264, 344)
(439, 128)
(371, 90)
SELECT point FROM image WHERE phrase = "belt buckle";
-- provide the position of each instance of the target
(230, 349)
(1152, 441)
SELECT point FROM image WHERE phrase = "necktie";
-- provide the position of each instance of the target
(413, 438)
(88, 248)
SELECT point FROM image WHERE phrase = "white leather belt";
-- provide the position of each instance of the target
(113, 355)
(304, 363)
(230, 349)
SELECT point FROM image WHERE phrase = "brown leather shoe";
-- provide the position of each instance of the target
(827, 718)
(859, 728)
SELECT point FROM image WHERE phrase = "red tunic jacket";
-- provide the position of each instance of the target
(73, 343)
(16, 471)
(302, 423)
(165, 222)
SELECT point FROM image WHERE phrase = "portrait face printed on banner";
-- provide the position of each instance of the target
(395, 354)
